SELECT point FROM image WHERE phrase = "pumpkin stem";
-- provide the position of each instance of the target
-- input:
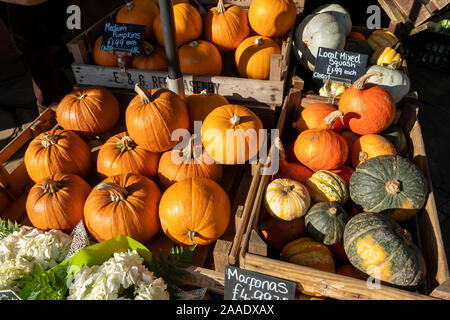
(333, 211)
(130, 5)
(362, 156)
(235, 120)
(49, 140)
(50, 186)
(359, 84)
(116, 192)
(279, 145)
(405, 235)
(191, 234)
(393, 187)
(220, 7)
(331, 118)
(84, 95)
(288, 189)
(148, 48)
(193, 44)
(145, 94)
(259, 41)
(204, 92)
(126, 144)
(188, 151)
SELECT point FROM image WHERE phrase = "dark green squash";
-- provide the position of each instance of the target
(325, 222)
(381, 248)
(391, 185)
(397, 137)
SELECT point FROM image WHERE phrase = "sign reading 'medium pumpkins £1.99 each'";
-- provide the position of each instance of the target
(123, 37)
(345, 66)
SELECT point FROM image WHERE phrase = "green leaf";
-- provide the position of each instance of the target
(7, 227)
(44, 285)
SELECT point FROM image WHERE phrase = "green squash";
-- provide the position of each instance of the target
(340, 13)
(356, 45)
(381, 248)
(391, 185)
(325, 222)
(394, 81)
(397, 137)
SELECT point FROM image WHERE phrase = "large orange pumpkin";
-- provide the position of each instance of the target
(272, 18)
(120, 154)
(57, 151)
(188, 24)
(367, 108)
(370, 146)
(230, 134)
(88, 111)
(226, 26)
(313, 115)
(201, 104)
(152, 116)
(322, 148)
(189, 162)
(123, 204)
(152, 58)
(194, 211)
(253, 56)
(200, 57)
(57, 202)
(141, 12)
(107, 58)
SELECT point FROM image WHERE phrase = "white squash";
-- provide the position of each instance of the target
(287, 199)
(394, 81)
(340, 13)
(317, 30)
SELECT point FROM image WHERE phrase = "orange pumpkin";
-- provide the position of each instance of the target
(141, 12)
(367, 108)
(201, 104)
(313, 115)
(349, 137)
(200, 57)
(123, 204)
(153, 58)
(120, 154)
(345, 173)
(253, 56)
(338, 252)
(322, 148)
(272, 18)
(356, 35)
(230, 134)
(370, 146)
(57, 151)
(349, 271)
(226, 26)
(88, 111)
(188, 24)
(152, 116)
(190, 162)
(57, 202)
(194, 211)
(107, 58)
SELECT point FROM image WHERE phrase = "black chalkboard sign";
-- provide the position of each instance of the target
(345, 66)
(123, 37)
(8, 295)
(242, 284)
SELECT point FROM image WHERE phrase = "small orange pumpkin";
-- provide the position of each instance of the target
(201, 104)
(200, 57)
(153, 58)
(369, 146)
(313, 115)
(272, 18)
(141, 12)
(194, 211)
(57, 202)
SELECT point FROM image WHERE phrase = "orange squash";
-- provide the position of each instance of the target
(152, 116)
(349, 137)
(338, 252)
(190, 162)
(120, 154)
(322, 148)
(313, 115)
(272, 18)
(370, 146)
(107, 58)
(345, 173)
(57, 151)
(356, 35)
(88, 111)
(200, 57)
(141, 12)
(194, 211)
(367, 108)
(226, 26)
(201, 104)
(153, 58)
(123, 204)
(349, 271)
(57, 202)
(188, 24)
(242, 140)
(253, 55)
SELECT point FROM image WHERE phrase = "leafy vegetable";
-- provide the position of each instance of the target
(7, 227)
(44, 285)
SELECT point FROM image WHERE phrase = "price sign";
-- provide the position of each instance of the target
(248, 285)
(339, 65)
(8, 295)
(123, 37)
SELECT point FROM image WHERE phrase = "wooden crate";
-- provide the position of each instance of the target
(208, 261)
(229, 84)
(254, 253)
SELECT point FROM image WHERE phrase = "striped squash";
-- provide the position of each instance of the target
(386, 56)
(381, 38)
(307, 252)
(324, 186)
(287, 199)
